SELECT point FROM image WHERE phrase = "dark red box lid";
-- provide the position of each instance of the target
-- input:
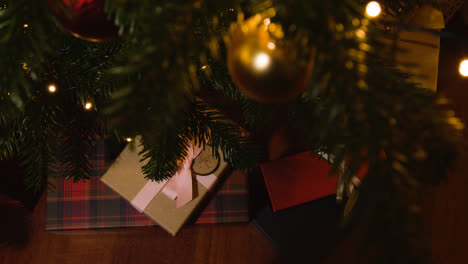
(298, 179)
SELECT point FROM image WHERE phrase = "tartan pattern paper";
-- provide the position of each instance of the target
(91, 204)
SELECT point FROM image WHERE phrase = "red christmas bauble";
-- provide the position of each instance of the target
(84, 19)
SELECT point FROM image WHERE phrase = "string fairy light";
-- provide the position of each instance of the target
(360, 33)
(88, 105)
(463, 69)
(271, 45)
(25, 67)
(261, 61)
(373, 9)
(52, 88)
(129, 139)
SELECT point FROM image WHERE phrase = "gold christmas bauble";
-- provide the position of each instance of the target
(262, 65)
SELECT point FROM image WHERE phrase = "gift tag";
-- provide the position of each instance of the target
(205, 163)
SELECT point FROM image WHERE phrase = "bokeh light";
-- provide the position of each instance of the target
(373, 9)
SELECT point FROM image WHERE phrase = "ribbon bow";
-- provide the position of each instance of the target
(178, 188)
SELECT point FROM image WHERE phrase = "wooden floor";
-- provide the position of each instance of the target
(223, 243)
(447, 207)
(447, 211)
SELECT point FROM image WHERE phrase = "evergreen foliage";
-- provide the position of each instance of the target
(162, 78)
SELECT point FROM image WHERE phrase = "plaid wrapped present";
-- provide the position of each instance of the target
(91, 204)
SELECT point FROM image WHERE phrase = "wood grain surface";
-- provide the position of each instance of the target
(203, 243)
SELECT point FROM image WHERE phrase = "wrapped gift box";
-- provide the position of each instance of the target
(297, 179)
(299, 232)
(91, 204)
(418, 45)
(126, 178)
(310, 229)
(301, 178)
(422, 48)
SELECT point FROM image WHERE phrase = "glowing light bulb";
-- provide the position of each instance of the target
(88, 105)
(261, 61)
(25, 66)
(266, 21)
(204, 67)
(271, 45)
(373, 9)
(464, 68)
(129, 139)
(360, 33)
(25, 25)
(52, 88)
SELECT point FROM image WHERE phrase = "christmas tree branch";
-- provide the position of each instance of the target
(10, 123)
(37, 143)
(369, 113)
(77, 145)
(356, 106)
(203, 125)
(23, 46)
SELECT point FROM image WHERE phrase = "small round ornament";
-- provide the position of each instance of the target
(264, 66)
(205, 163)
(84, 19)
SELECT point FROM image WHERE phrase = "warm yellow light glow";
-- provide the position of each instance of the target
(266, 21)
(204, 67)
(25, 66)
(349, 65)
(356, 22)
(271, 45)
(373, 9)
(339, 27)
(261, 61)
(129, 139)
(464, 68)
(360, 33)
(25, 25)
(88, 105)
(52, 88)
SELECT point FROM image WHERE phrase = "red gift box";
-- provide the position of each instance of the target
(298, 179)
